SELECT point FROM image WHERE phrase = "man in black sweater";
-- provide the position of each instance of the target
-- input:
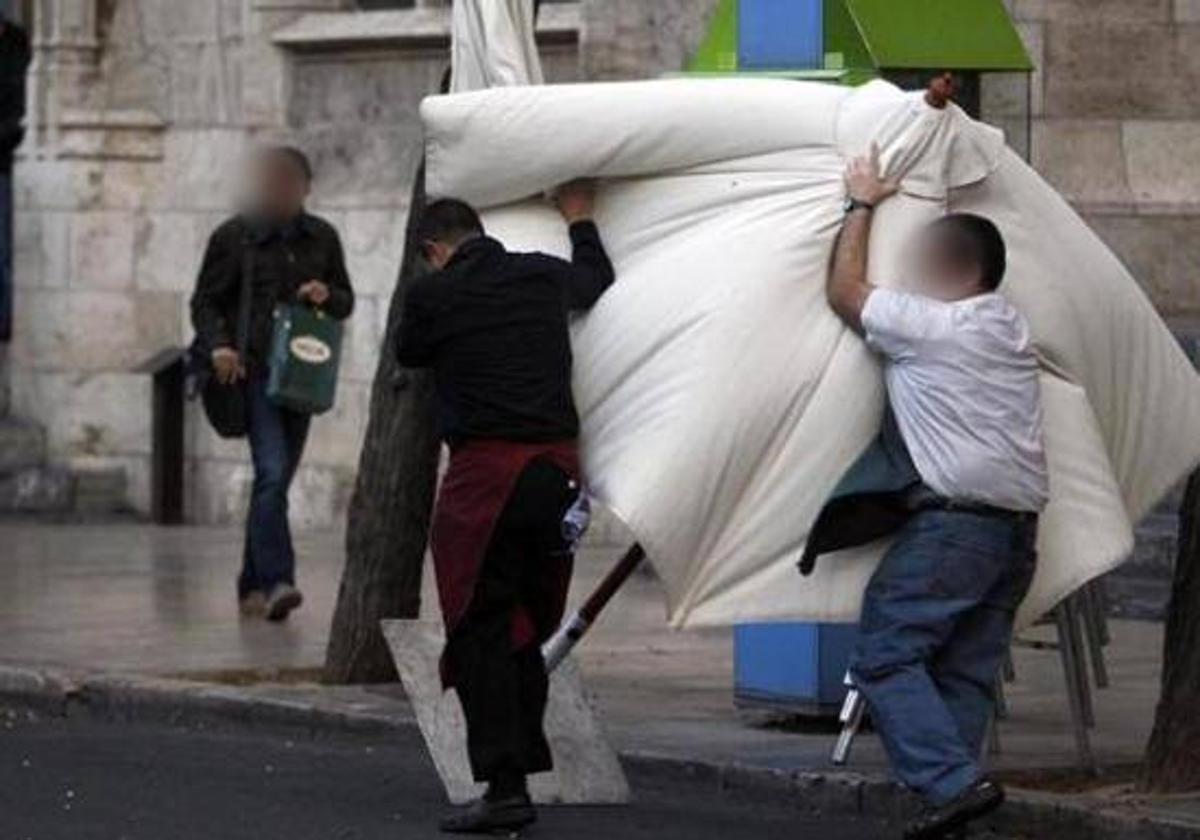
(283, 253)
(14, 62)
(494, 327)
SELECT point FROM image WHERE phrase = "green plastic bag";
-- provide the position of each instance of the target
(306, 346)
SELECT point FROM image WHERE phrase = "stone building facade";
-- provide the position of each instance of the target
(140, 110)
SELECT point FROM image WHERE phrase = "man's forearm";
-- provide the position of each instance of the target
(847, 287)
(592, 270)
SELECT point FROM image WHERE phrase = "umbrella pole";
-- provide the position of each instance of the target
(574, 628)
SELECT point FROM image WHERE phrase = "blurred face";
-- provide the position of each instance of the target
(438, 253)
(280, 186)
(938, 274)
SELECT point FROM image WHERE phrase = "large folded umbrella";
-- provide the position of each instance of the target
(721, 398)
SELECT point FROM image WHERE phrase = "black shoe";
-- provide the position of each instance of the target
(951, 819)
(492, 816)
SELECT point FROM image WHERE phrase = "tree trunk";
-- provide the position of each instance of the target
(389, 513)
(1173, 754)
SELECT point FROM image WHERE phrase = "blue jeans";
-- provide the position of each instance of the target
(6, 256)
(936, 626)
(276, 442)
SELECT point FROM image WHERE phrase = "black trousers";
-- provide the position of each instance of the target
(503, 691)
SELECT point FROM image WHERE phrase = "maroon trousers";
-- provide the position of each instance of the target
(503, 567)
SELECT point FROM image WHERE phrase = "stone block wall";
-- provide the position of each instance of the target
(1117, 130)
(141, 109)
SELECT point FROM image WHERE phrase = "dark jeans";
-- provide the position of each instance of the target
(276, 442)
(503, 691)
(936, 626)
(6, 256)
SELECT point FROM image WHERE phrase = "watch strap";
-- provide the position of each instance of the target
(853, 204)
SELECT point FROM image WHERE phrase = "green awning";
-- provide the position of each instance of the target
(864, 38)
(936, 35)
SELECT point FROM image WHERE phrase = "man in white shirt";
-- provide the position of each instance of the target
(962, 383)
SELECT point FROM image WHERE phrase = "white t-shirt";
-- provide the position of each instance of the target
(963, 382)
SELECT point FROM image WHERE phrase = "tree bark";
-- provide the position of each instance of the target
(389, 514)
(1172, 762)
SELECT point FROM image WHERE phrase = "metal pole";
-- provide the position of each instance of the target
(1079, 647)
(1094, 633)
(1070, 653)
(851, 718)
(574, 628)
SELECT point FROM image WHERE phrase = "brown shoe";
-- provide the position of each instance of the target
(252, 605)
(283, 599)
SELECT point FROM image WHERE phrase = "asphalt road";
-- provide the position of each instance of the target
(87, 780)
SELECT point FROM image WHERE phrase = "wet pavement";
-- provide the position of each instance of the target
(131, 597)
(137, 598)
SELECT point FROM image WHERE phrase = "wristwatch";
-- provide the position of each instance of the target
(853, 204)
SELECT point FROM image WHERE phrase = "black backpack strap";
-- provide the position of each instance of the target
(245, 293)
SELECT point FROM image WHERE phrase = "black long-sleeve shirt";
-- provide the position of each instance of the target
(281, 258)
(14, 63)
(494, 327)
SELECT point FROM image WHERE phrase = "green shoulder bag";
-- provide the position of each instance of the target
(306, 346)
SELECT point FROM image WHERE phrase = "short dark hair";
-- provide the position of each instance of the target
(449, 220)
(293, 156)
(971, 240)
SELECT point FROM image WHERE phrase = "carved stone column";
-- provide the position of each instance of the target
(67, 115)
(66, 49)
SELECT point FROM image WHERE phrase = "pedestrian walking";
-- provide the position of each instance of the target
(274, 252)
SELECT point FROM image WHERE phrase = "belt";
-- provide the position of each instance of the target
(923, 499)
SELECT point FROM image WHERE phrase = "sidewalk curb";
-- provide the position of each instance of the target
(130, 698)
